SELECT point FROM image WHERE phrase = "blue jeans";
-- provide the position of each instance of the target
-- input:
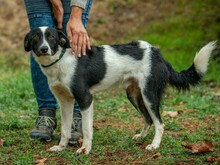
(40, 14)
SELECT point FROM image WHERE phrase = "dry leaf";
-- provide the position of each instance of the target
(156, 155)
(170, 113)
(212, 159)
(2, 141)
(200, 147)
(40, 161)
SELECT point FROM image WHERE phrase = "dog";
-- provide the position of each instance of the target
(138, 65)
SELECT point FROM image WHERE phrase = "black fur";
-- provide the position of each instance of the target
(34, 39)
(91, 70)
(157, 81)
(162, 74)
(132, 49)
(185, 78)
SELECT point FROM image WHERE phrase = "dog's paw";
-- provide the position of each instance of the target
(152, 147)
(137, 136)
(83, 150)
(56, 148)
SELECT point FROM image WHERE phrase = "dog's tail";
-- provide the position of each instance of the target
(192, 76)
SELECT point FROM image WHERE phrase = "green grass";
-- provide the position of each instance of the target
(116, 122)
(179, 37)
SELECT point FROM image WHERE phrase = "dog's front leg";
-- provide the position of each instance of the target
(87, 128)
(66, 120)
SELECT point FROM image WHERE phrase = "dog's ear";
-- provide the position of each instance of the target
(27, 44)
(63, 40)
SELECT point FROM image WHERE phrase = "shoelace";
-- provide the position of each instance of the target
(76, 122)
(46, 120)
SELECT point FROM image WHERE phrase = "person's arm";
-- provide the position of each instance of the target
(79, 3)
(76, 32)
(58, 12)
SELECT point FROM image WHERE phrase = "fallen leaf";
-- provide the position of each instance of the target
(212, 159)
(95, 127)
(40, 161)
(170, 113)
(156, 155)
(217, 119)
(2, 141)
(200, 147)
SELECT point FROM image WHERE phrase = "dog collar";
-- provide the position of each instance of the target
(61, 55)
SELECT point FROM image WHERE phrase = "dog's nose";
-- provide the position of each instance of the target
(44, 49)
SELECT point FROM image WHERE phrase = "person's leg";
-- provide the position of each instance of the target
(39, 14)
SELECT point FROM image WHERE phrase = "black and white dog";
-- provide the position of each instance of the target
(138, 66)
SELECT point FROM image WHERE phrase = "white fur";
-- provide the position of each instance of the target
(87, 127)
(159, 128)
(45, 43)
(120, 68)
(66, 102)
(62, 72)
(201, 59)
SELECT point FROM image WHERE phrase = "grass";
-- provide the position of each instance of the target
(115, 120)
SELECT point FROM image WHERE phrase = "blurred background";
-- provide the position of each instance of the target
(178, 27)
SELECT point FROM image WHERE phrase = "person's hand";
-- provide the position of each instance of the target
(58, 12)
(77, 33)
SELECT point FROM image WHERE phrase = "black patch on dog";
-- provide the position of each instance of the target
(34, 39)
(185, 78)
(131, 49)
(159, 77)
(163, 73)
(90, 70)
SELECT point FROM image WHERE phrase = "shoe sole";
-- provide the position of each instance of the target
(40, 136)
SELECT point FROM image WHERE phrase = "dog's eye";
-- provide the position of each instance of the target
(36, 37)
(50, 37)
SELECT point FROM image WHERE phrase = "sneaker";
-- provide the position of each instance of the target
(76, 131)
(45, 125)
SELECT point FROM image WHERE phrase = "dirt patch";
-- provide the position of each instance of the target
(136, 123)
(13, 25)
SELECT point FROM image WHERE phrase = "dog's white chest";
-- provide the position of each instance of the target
(61, 75)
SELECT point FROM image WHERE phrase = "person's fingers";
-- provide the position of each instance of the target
(79, 45)
(74, 42)
(84, 45)
(88, 42)
(69, 34)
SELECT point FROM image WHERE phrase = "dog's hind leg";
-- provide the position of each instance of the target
(66, 103)
(135, 97)
(152, 104)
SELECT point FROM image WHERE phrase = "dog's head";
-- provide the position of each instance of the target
(45, 41)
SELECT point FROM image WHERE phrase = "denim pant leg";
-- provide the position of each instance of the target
(39, 14)
(44, 97)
